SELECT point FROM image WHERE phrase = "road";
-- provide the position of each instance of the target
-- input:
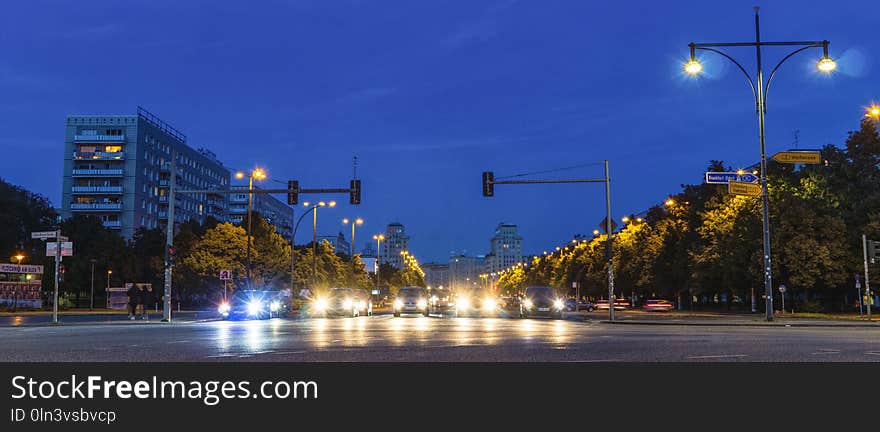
(384, 338)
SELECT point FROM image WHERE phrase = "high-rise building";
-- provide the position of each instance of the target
(506, 248)
(464, 271)
(117, 168)
(272, 209)
(436, 274)
(396, 241)
(339, 243)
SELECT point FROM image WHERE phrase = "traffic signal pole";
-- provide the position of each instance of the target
(868, 294)
(169, 240)
(489, 183)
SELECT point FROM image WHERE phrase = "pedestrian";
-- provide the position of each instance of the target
(133, 299)
(144, 300)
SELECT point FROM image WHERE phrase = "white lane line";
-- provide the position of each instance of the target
(718, 356)
(876, 353)
(826, 351)
(180, 341)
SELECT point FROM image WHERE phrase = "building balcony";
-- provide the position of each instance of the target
(99, 155)
(95, 206)
(99, 138)
(164, 183)
(113, 224)
(96, 189)
(163, 199)
(163, 215)
(98, 173)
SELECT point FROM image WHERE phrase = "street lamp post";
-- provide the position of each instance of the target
(353, 222)
(109, 272)
(258, 174)
(759, 91)
(379, 238)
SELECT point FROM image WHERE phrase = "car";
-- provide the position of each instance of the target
(442, 302)
(618, 304)
(657, 305)
(581, 305)
(541, 301)
(363, 301)
(337, 302)
(477, 302)
(411, 300)
(247, 304)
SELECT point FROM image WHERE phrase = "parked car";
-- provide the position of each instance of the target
(411, 300)
(541, 301)
(618, 304)
(581, 305)
(657, 305)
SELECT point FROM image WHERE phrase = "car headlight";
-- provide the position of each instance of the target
(489, 304)
(254, 307)
(527, 304)
(434, 299)
(320, 305)
(422, 304)
(558, 304)
(347, 304)
(223, 308)
(274, 306)
(398, 304)
(463, 303)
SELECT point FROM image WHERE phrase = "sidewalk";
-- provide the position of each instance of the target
(638, 317)
(77, 317)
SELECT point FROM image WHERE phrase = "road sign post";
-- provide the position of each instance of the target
(55, 295)
(859, 290)
(225, 276)
(782, 295)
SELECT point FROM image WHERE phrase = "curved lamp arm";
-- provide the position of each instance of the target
(748, 77)
(295, 227)
(775, 69)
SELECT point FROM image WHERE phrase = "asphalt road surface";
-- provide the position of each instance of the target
(384, 338)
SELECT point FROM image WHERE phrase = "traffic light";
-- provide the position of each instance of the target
(172, 254)
(354, 193)
(488, 183)
(872, 250)
(61, 271)
(292, 192)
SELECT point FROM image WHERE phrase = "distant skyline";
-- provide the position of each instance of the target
(429, 94)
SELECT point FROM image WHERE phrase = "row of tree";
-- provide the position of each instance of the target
(704, 245)
(103, 258)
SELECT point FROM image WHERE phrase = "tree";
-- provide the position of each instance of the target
(222, 247)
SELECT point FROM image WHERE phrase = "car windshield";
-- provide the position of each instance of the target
(411, 292)
(341, 292)
(542, 292)
(245, 296)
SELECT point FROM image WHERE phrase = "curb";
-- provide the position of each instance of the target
(730, 324)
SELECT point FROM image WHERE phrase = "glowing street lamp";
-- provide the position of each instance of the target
(760, 89)
(873, 111)
(259, 174)
(354, 222)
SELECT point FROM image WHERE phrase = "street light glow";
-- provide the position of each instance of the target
(693, 67)
(259, 174)
(239, 175)
(873, 111)
(332, 204)
(669, 203)
(826, 64)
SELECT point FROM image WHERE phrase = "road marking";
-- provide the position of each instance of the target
(877, 353)
(718, 356)
(180, 341)
(826, 351)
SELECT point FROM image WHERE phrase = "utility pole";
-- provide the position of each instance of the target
(57, 265)
(169, 239)
(92, 297)
(868, 293)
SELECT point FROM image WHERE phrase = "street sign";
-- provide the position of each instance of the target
(225, 275)
(42, 235)
(741, 188)
(604, 224)
(714, 177)
(798, 157)
(66, 249)
(782, 288)
(574, 284)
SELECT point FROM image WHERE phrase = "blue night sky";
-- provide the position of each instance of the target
(428, 94)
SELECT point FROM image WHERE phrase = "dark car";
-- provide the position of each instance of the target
(363, 302)
(411, 300)
(541, 301)
(247, 304)
(338, 302)
(581, 305)
(477, 302)
(442, 302)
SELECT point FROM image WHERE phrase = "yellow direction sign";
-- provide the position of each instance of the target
(743, 188)
(798, 157)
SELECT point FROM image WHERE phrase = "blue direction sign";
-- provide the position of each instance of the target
(727, 177)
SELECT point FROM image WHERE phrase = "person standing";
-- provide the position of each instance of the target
(133, 299)
(144, 300)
